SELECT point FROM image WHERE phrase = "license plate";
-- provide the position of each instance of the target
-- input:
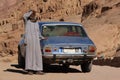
(72, 51)
(69, 50)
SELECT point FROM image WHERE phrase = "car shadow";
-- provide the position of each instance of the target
(115, 62)
(60, 69)
(47, 69)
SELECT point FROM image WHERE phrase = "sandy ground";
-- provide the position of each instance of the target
(8, 71)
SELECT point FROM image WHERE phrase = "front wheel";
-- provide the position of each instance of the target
(86, 66)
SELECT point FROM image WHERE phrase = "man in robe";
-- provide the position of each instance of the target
(33, 57)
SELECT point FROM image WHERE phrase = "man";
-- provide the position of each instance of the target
(33, 58)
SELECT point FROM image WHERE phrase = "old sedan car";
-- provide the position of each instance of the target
(66, 43)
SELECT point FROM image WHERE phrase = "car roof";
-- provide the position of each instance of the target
(58, 23)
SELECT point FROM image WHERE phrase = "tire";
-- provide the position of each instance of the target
(21, 59)
(86, 66)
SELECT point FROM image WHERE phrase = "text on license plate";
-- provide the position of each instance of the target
(71, 51)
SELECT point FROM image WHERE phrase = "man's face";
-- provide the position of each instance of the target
(33, 15)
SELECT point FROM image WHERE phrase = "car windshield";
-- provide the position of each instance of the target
(63, 30)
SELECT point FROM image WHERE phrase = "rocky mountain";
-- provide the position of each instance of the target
(100, 18)
(103, 26)
(11, 23)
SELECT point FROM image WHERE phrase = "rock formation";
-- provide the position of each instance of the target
(100, 18)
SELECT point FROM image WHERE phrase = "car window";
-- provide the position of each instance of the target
(63, 30)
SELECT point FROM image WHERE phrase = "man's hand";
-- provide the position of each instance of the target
(25, 44)
(45, 38)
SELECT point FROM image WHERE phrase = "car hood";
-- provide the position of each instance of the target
(68, 40)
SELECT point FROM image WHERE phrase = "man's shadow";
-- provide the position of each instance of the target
(47, 69)
(18, 69)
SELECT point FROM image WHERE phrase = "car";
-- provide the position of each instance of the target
(65, 43)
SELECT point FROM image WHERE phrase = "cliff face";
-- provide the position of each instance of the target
(100, 18)
(11, 23)
(103, 25)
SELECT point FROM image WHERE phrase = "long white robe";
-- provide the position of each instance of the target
(33, 59)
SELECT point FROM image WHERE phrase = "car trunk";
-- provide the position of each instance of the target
(67, 45)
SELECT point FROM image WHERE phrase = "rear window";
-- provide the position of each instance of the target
(63, 30)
